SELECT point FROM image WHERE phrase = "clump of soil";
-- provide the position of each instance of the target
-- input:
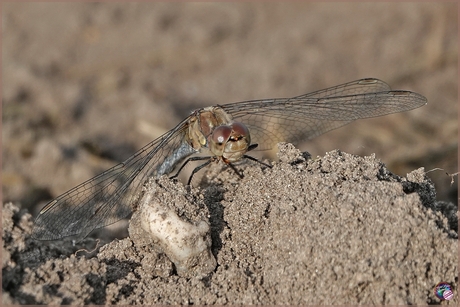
(336, 229)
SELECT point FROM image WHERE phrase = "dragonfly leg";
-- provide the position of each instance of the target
(198, 168)
(250, 158)
(235, 170)
(185, 163)
(257, 160)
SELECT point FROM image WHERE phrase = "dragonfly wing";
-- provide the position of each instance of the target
(362, 86)
(109, 196)
(304, 117)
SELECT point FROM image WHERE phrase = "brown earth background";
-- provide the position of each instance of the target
(87, 84)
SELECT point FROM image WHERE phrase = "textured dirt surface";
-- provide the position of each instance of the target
(87, 84)
(339, 228)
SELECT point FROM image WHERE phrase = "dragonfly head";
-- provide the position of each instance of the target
(230, 142)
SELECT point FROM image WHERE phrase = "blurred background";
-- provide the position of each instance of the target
(85, 85)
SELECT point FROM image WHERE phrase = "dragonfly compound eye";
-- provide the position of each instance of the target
(219, 138)
(240, 131)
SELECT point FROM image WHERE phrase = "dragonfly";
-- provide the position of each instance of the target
(221, 133)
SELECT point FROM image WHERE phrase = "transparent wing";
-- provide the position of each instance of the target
(109, 196)
(362, 86)
(304, 117)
